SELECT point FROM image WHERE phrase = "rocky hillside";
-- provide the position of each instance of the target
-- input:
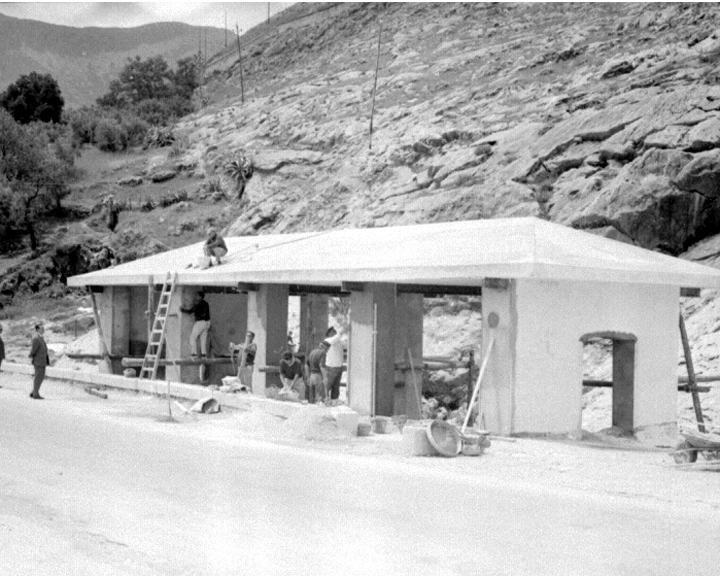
(85, 60)
(599, 116)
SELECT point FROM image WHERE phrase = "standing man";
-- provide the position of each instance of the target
(315, 362)
(334, 361)
(248, 350)
(2, 348)
(201, 311)
(40, 360)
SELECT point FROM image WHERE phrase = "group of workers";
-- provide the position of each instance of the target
(318, 380)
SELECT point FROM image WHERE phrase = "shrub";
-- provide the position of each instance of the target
(158, 137)
(110, 136)
(136, 129)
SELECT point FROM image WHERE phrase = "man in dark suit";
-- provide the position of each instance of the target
(40, 360)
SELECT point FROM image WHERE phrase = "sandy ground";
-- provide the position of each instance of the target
(83, 491)
(597, 463)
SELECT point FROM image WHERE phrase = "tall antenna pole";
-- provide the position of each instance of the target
(242, 82)
(377, 67)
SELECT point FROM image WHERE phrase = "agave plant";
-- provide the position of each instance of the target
(240, 170)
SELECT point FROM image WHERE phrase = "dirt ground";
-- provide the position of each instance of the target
(598, 464)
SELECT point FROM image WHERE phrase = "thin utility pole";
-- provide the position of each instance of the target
(377, 67)
(242, 82)
(268, 21)
(225, 27)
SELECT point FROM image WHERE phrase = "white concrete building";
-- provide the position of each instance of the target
(546, 289)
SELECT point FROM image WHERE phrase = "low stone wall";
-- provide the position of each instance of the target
(239, 401)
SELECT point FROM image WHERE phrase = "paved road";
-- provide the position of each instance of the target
(104, 488)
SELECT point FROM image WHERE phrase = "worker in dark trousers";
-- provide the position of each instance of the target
(40, 360)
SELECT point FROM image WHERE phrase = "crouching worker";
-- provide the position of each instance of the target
(291, 374)
(215, 246)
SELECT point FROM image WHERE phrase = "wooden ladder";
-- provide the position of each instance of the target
(157, 333)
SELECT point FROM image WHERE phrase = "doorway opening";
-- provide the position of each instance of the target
(608, 382)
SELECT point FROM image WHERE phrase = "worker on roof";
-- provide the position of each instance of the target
(214, 246)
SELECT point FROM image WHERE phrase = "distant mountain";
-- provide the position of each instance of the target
(85, 60)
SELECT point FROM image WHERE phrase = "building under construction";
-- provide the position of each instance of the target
(546, 290)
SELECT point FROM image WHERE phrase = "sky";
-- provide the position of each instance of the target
(129, 14)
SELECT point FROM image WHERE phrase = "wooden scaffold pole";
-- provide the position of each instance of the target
(692, 382)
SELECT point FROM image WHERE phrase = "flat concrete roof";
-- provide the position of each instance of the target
(449, 253)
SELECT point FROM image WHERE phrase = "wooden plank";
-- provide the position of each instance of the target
(129, 362)
(609, 384)
(691, 375)
(96, 314)
(353, 286)
(300, 289)
(497, 283)
(438, 289)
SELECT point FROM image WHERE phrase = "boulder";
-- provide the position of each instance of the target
(701, 174)
(670, 137)
(704, 136)
(617, 67)
(131, 181)
(162, 175)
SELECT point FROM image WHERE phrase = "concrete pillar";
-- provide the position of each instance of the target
(372, 314)
(313, 321)
(268, 318)
(114, 310)
(409, 336)
(498, 384)
(177, 335)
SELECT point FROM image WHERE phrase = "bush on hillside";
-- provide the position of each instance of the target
(84, 122)
(158, 138)
(110, 136)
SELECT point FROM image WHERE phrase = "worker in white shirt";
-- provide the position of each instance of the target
(334, 360)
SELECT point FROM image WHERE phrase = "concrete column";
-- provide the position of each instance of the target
(372, 314)
(114, 310)
(409, 336)
(498, 385)
(313, 321)
(267, 318)
(177, 335)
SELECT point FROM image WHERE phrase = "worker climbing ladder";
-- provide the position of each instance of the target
(157, 333)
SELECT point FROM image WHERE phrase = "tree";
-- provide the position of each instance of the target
(152, 90)
(33, 98)
(139, 80)
(34, 171)
(185, 77)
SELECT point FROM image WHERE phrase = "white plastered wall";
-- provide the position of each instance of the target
(551, 317)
